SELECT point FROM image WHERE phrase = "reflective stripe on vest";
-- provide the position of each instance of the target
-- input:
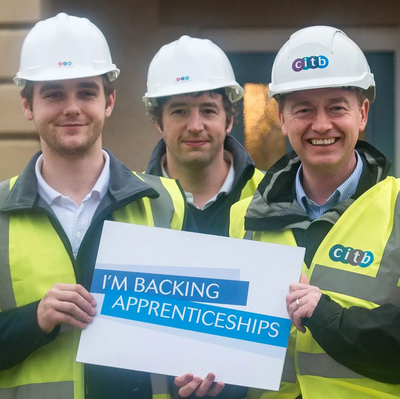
(50, 390)
(168, 209)
(322, 365)
(7, 299)
(160, 386)
(364, 287)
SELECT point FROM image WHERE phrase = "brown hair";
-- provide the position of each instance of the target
(155, 113)
(27, 91)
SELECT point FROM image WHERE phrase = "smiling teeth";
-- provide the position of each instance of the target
(322, 142)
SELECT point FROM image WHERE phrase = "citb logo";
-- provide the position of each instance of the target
(313, 62)
(356, 257)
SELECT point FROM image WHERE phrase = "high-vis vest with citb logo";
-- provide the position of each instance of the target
(33, 258)
(357, 264)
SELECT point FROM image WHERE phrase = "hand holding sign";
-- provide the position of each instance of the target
(301, 301)
(189, 384)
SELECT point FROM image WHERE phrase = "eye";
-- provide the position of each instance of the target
(53, 95)
(177, 111)
(209, 111)
(303, 111)
(87, 94)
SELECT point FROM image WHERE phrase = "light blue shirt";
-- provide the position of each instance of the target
(342, 193)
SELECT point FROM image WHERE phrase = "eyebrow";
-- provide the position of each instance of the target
(58, 86)
(185, 104)
(331, 101)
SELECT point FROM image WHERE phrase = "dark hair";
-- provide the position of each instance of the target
(155, 113)
(360, 95)
(27, 91)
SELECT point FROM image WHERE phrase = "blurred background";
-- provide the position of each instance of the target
(250, 32)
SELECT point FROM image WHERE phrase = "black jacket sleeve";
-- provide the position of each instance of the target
(366, 341)
(20, 335)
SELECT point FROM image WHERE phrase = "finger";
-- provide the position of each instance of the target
(73, 297)
(205, 385)
(182, 380)
(73, 310)
(297, 287)
(216, 388)
(79, 289)
(297, 320)
(304, 279)
(189, 388)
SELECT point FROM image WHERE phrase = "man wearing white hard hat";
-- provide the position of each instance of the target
(191, 91)
(331, 196)
(51, 217)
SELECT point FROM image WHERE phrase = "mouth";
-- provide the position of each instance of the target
(195, 143)
(322, 142)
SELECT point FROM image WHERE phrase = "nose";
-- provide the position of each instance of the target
(71, 106)
(195, 122)
(322, 122)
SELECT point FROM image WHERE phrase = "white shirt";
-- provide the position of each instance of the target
(226, 188)
(74, 219)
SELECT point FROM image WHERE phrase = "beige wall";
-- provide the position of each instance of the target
(18, 138)
(135, 30)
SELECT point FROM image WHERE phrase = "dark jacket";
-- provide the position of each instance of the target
(215, 218)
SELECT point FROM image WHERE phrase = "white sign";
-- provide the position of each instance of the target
(172, 302)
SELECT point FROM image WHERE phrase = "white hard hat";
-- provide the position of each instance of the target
(190, 65)
(64, 47)
(320, 57)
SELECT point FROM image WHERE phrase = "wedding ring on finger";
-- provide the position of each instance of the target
(297, 303)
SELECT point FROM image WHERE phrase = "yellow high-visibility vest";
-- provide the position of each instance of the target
(357, 264)
(33, 258)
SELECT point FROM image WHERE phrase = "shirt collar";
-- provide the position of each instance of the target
(342, 193)
(49, 194)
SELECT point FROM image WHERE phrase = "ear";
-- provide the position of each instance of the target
(230, 126)
(27, 110)
(282, 122)
(364, 115)
(159, 128)
(110, 104)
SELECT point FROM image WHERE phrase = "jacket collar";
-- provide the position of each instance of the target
(274, 206)
(243, 165)
(123, 186)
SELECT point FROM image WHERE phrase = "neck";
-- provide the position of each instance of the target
(74, 178)
(320, 186)
(203, 182)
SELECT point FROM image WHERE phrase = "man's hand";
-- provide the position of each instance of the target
(301, 301)
(65, 303)
(188, 384)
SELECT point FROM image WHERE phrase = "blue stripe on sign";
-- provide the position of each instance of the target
(208, 290)
(197, 317)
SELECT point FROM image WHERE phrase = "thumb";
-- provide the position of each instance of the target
(304, 279)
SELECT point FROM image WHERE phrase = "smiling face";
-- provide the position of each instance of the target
(323, 126)
(194, 129)
(69, 115)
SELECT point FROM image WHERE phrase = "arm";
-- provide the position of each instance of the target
(20, 335)
(366, 341)
(25, 329)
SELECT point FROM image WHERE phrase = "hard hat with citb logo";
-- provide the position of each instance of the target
(190, 65)
(64, 47)
(320, 57)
